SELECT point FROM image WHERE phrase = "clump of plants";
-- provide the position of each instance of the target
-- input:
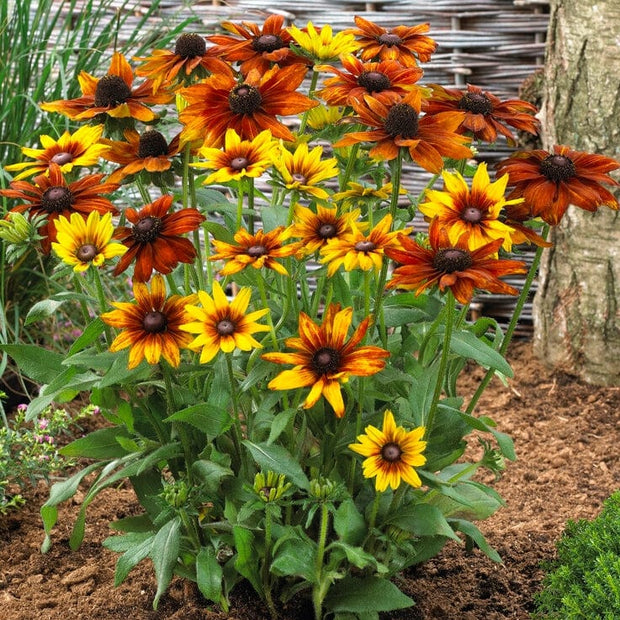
(276, 350)
(584, 580)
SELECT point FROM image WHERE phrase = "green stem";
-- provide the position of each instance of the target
(251, 205)
(350, 167)
(266, 564)
(103, 304)
(304, 118)
(240, 196)
(237, 433)
(317, 591)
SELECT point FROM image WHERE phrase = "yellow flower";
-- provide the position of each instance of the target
(392, 453)
(358, 193)
(83, 243)
(323, 45)
(322, 117)
(222, 325)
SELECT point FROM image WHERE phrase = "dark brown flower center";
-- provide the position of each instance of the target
(147, 229)
(298, 177)
(374, 81)
(391, 452)
(152, 144)
(477, 103)
(86, 253)
(327, 231)
(265, 491)
(472, 214)
(57, 199)
(239, 163)
(244, 99)
(365, 246)
(111, 91)
(557, 168)
(256, 251)
(326, 360)
(267, 43)
(154, 322)
(390, 39)
(225, 327)
(402, 120)
(62, 158)
(190, 45)
(450, 260)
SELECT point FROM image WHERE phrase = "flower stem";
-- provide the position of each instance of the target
(318, 590)
(266, 564)
(237, 433)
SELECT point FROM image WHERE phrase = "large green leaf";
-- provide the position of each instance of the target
(422, 520)
(365, 595)
(295, 556)
(100, 444)
(35, 362)
(165, 553)
(277, 459)
(209, 574)
(466, 344)
(349, 523)
(42, 310)
(211, 420)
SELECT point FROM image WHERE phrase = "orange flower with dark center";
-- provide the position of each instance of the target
(398, 125)
(51, 195)
(451, 265)
(114, 94)
(387, 79)
(147, 151)
(154, 240)
(249, 107)
(324, 358)
(255, 47)
(549, 182)
(406, 44)
(486, 115)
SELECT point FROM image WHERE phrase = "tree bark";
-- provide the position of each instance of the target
(577, 306)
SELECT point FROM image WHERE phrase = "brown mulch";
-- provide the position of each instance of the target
(566, 435)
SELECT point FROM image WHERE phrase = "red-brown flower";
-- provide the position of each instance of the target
(53, 196)
(154, 240)
(486, 115)
(549, 182)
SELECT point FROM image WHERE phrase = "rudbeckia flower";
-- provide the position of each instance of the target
(239, 158)
(222, 325)
(322, 45)
(70, 150)
(221, 102)
(255, 47)
(114, 94)
(258, 250)
(53, 196)
(324, 358)
(359, 193)
(406, 44)
(397, 125)
(549, 182)
(474, 211)
(485, 114)
(392, 453)
(151, 326)
(451, 265)
(84, 243)
(154, 240)
(355, 250)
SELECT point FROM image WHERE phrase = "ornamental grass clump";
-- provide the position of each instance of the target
(274, 349)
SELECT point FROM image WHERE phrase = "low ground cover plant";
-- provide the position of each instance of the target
(274, 346)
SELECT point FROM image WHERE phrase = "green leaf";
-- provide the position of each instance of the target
(165, 553)
(279, 460)
(213, 421)
(100, 444)
(42, 310)
(467, 500)
(469, 529)
(295, 556)
(210, 474)
(349, 523)
(209, 574)
(356, 555)
(366, 595)
(279, 423)
(465, 344)
(88, 336)
(131, 557)
(138, 524)
(505, 443)
(422, 520)
(245, 562)
(36, 363)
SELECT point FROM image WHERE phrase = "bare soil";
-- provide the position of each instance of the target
(566, 435)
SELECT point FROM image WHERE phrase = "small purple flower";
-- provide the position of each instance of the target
(22, 407)
(43, 423)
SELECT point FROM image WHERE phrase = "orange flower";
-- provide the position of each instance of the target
(549, 182)
(398, 125)
(325, 359)
(113, 94)
(387, 79)
(451, 265)
(255, 47)
(485, 114)
(406, 44)
(154, 240)
(149, 151)
(53, 196)
(249, 107)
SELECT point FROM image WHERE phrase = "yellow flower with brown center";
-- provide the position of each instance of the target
(355, 250)
(392, 453)
(239, 158)
(322, 45)
(324, 358)
(476, 211)
(83, 243)
(222, 325)
(70, 150)
(258, 250)
(303, 170)
(151, 326)
(365, 194)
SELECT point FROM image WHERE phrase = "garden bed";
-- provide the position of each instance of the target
(566, 441)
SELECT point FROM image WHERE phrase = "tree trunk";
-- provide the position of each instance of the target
(577, 306)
